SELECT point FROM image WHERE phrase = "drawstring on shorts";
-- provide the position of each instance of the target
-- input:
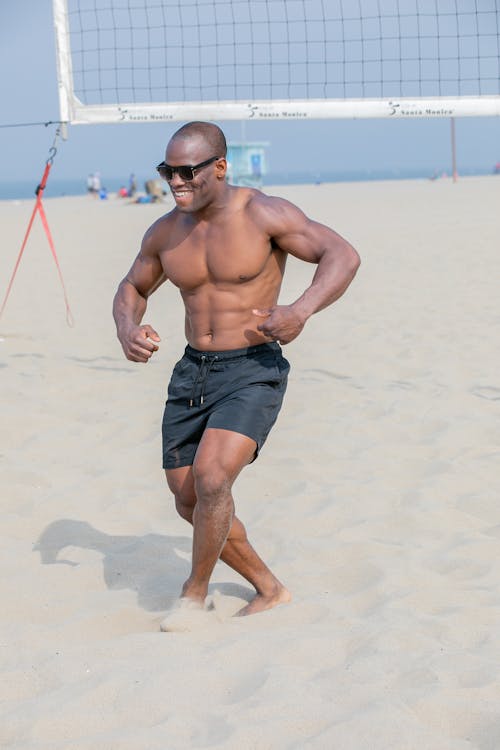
(201, 377)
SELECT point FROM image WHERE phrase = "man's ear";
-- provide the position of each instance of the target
(221, 167)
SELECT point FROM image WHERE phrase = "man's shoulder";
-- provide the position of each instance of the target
(154, 235)
(262, 203)
(270, 210)
(162, 221)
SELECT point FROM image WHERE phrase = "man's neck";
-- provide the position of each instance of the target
(218, 206)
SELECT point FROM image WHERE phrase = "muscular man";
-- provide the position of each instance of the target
(225, 248)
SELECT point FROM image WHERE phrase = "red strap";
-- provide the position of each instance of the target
(39, 207)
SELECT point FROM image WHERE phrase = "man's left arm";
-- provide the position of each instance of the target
(312, 242)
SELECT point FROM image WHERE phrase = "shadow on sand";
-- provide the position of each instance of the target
(154, 566)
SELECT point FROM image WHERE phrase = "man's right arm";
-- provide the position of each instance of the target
(139, 342)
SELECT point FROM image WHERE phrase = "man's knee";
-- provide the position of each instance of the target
(212, 484)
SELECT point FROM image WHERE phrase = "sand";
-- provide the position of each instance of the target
(375, 499)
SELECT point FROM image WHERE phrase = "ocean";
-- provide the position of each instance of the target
(25, 189)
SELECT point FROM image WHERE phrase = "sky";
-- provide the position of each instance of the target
(28, 93)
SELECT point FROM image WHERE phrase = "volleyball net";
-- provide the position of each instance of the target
(170, 60)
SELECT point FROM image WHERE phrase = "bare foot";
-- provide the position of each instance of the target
(187, 615)
(262, 602)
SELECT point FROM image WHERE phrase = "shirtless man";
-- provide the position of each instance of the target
(225, 248)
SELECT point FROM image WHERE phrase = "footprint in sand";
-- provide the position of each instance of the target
(317, 375)
(404, 385)
(487, 391)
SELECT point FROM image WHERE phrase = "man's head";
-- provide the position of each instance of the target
(202, 146)
(206, 131)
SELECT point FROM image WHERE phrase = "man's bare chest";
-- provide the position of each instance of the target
(229, 254)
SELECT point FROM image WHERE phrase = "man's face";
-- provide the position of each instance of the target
(192, 195)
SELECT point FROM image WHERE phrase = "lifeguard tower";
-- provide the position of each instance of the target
(246, 163)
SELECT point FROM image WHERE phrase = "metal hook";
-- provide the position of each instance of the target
(53, 149)
(52, 153)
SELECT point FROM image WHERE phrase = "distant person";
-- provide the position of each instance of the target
(225, 249)
(123, 192)
(154, 189)
(96, 184)
(143, 199)
(132, 186)
(90, 184)
(103, 194)
(496, 168)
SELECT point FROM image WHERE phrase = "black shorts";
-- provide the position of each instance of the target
(239, 390)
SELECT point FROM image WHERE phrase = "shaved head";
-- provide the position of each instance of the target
(211, 134)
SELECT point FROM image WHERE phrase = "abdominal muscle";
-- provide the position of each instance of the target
(221, 319)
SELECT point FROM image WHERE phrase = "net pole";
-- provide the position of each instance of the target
(63, 60)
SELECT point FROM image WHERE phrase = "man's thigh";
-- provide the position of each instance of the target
(223, 452)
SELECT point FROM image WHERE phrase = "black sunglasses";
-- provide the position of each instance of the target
(185, 172)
